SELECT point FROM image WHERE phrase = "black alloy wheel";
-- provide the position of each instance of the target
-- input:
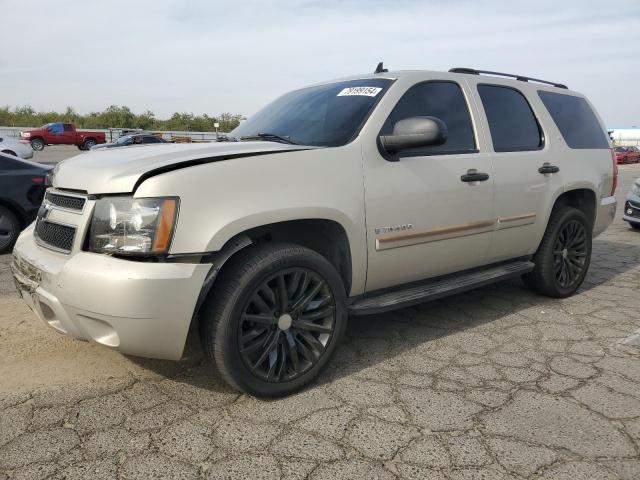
(569, 253)
(274, 318)
(286, 324)
(564, 254)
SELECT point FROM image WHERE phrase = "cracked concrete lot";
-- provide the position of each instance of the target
(494, 383)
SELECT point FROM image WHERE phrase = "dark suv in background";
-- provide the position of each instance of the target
(22, 186)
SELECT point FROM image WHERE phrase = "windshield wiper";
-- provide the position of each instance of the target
(270, 137)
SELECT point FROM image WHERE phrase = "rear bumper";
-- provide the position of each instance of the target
(137, 308)
(605, 213)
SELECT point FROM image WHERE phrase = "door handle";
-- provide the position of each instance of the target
(547, 168)
(474, 175)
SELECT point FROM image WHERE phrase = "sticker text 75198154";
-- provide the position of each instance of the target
(363, 91)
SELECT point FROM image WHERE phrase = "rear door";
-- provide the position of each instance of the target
(526, 176)
(422, 219)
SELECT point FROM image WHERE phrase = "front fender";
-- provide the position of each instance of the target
(223, 199)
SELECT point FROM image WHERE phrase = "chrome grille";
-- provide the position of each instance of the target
(66, 201)
(54, 235)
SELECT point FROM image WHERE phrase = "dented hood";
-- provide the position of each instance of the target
(120, 170)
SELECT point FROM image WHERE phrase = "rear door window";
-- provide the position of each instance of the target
(575, 119)
(441, 99)
(513, 125)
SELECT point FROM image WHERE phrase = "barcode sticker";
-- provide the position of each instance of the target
(363, 91)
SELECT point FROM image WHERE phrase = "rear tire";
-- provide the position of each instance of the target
(563, 257)
(88, 144)
(9, 229)
(274, 318)
(37, 144)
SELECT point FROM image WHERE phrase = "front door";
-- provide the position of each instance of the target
(55, 134)
(424, 217)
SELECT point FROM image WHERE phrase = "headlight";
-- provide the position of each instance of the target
(131, 226)
(635, 189)
(25, 134)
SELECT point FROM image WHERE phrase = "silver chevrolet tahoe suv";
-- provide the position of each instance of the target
(351, 197)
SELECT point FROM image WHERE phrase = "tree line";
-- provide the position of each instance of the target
(117, 116)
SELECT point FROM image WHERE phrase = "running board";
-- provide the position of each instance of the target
(437, 288)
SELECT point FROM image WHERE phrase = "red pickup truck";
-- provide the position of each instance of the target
(61, 134)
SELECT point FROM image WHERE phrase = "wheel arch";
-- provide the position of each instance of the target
(324, 236)
(583, 198)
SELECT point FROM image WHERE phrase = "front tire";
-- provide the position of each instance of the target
(37, 144)
(274, 318)
(563, 257)
(10, 152)
(9, 229)
(635, 225)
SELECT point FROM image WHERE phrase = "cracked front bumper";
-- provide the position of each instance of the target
(137, 308)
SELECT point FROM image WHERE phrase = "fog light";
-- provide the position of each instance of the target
(629, 211)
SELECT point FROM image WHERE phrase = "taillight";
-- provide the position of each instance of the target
(37, 180)
(614, 181)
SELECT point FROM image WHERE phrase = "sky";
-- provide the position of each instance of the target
(210, 57)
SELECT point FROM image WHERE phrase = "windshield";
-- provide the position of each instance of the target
(327, 115)
(621, 149)
(122, 140)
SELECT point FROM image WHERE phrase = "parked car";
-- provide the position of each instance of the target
(22, 186)
(356, 196)
(632, 206)
(62, 134)
(15, 147)
(138, 139)
(627, 154)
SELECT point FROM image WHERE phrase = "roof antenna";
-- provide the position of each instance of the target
(380, 69)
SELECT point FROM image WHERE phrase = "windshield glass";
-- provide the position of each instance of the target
(621, 149)
(122, 140)
(326, 115)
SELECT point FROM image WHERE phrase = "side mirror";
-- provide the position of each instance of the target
(415, 132)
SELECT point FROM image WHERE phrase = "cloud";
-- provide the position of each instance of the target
(209, 57)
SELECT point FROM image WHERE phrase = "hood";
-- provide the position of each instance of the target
(120, 170)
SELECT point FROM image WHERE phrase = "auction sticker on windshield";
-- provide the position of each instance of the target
(365, 91)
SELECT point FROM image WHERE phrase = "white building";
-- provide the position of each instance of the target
(625, 136)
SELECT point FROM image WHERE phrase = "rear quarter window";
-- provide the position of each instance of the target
(575, 119)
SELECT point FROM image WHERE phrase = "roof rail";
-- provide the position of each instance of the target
(522, 78)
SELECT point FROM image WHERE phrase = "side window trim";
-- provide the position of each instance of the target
(472, 123)
(542, 141)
